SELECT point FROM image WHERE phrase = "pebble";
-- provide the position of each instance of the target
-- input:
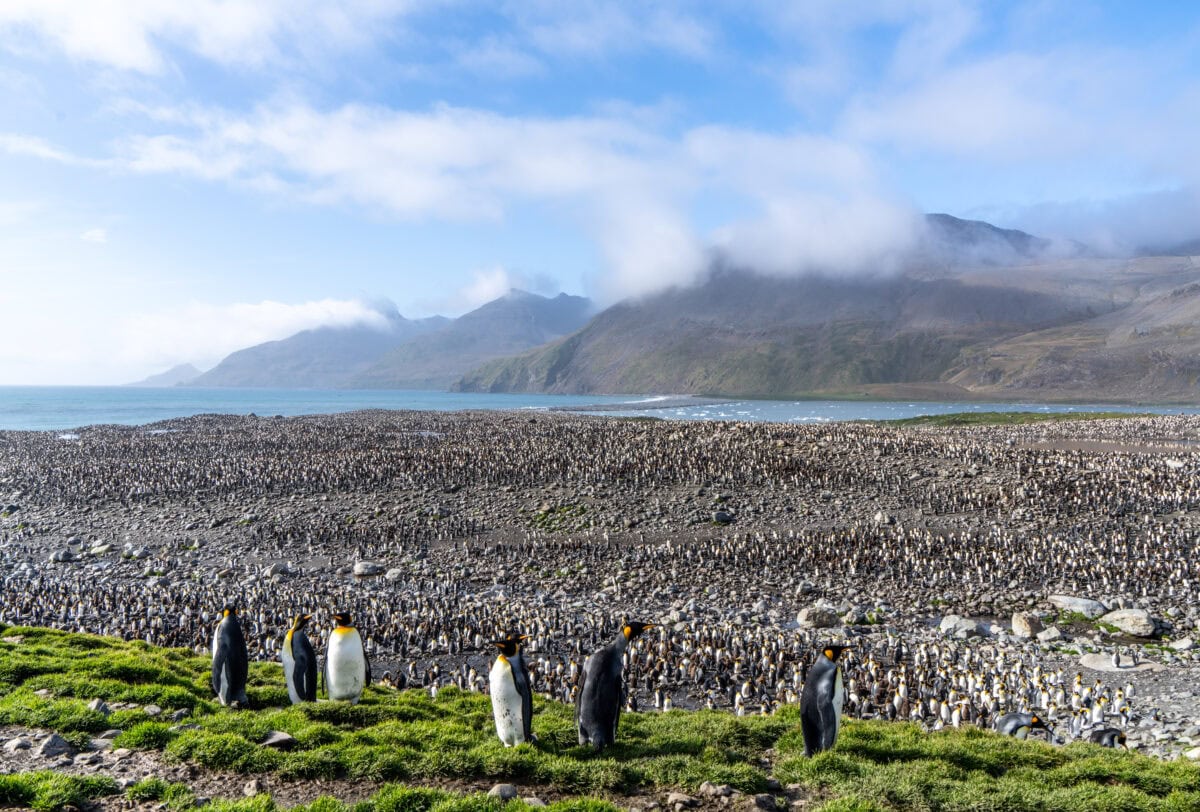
(505, 792)
(19, 743)
(54, 746)
(279, 740)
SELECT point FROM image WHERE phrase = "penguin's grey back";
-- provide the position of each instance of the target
(601, 695)
(231, 662)
(819, 716)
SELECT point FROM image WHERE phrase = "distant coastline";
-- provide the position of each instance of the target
(33, 408)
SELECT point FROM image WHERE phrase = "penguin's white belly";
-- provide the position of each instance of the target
(839, 701)
(222, 686)
(289, 669)
(347, 672)
(506, 704)
(1023, 732)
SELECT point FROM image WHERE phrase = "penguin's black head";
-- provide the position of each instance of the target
(1036, 721)
(633, 629)
(511, 645)
(229, 609)
(833, 652)
(300, 622)
(342, 618)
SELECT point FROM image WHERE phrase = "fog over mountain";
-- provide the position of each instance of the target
(402, 353)
(972, 311)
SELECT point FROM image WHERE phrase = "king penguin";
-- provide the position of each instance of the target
(602, 690)
(347, 670)
(299, 663)
(1108, 737)
(821, 701)
(1019, 725)
(512, 696)
(230, 661)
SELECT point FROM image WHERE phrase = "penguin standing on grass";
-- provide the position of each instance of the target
(821, 701)
(230, 661)
(347, 670)
(299, 663)
(512, 696)
(601, 691)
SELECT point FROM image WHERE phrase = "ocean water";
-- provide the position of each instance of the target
(59, 408)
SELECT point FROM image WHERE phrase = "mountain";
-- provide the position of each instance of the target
(511, 324)
(179, 374)
(1029, 327)
(950, 239)
(322, 358)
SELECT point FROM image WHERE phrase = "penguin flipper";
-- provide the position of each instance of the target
(810, 727)
(525, 688)
(366, 666)
(579, 695)
(304, 672)
(220, 655)
(829, 725)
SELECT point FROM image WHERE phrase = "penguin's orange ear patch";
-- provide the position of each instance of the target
(1036, 720)
(829, 653)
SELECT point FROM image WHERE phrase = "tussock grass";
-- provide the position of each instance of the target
(409, 736)
(878, 766)
(51, 791)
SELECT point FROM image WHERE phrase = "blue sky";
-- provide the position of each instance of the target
(181, 179)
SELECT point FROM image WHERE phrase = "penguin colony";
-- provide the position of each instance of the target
(548, 523)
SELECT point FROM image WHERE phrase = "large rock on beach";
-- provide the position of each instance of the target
(1136, 622)
(1084, 606)
(817, 617)
(1026, 624)
(367, 569)
(959, 626)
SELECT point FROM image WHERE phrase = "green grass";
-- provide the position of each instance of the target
(1004, 418)
(897, 766)
(51, 791)
(410, 737)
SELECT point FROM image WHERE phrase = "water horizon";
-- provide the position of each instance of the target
(62, 408)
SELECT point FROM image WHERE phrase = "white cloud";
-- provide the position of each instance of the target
(485, 286)
(624, 181)
(203, 333)
(131, 34)
(33, 147)
(810, 233)
(96, 235)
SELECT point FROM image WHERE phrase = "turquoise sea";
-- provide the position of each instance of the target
(57, 408)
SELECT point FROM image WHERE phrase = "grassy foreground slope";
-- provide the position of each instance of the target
(48, 677)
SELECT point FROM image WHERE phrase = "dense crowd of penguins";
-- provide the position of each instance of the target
(890, 523)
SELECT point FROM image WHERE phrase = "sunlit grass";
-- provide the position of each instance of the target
(412, 737)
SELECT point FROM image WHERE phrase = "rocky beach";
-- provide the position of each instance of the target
(975, 571)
